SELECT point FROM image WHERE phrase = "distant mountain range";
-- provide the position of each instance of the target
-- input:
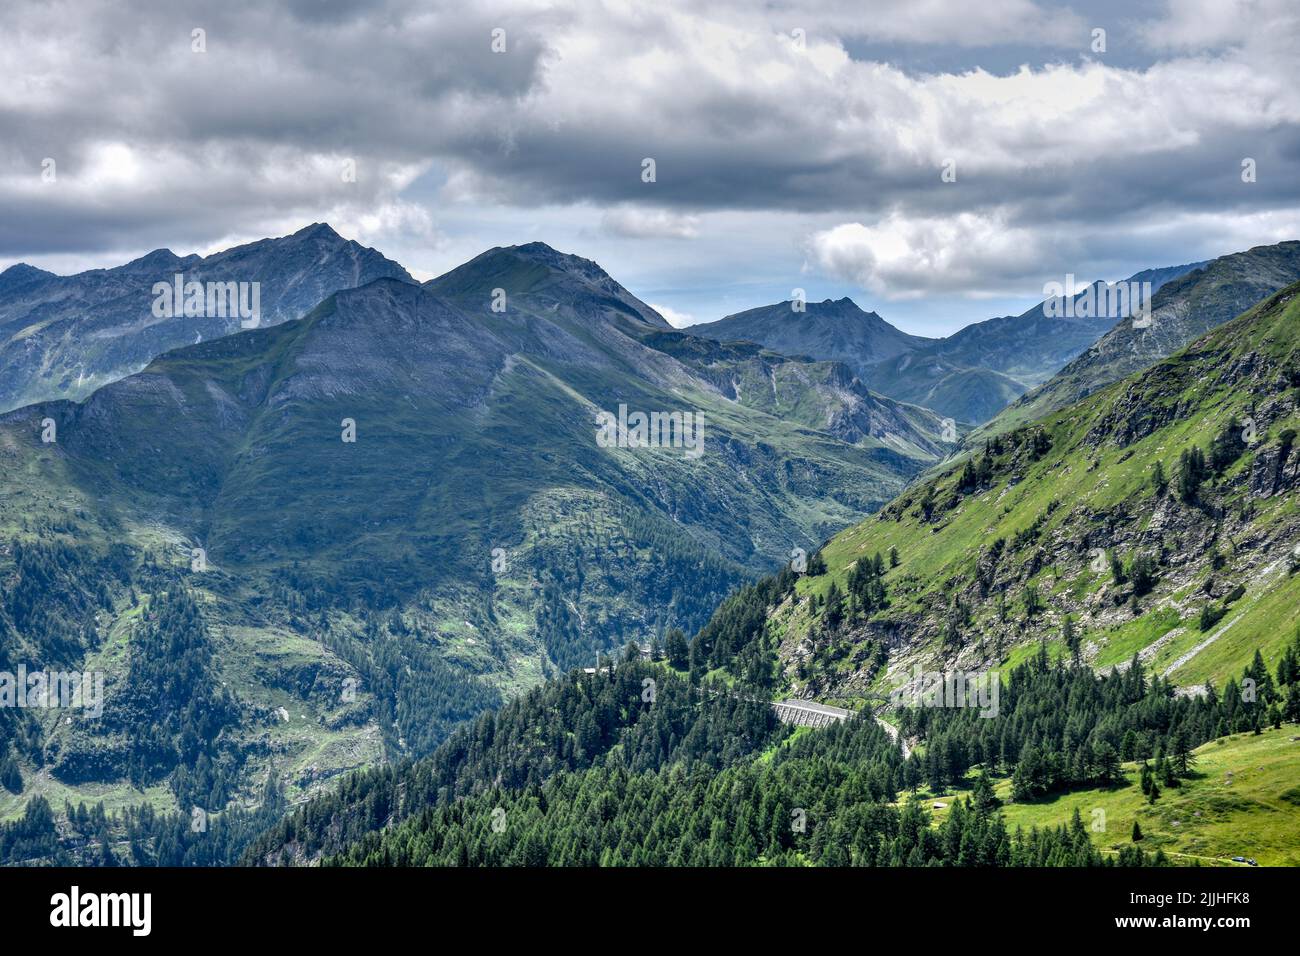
(65, 336)
(1183, 309)
(970, 375)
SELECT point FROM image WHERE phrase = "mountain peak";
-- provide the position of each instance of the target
(317, 230)
(844, 306)
(549, 256)
(536, 248)
(540, 270)
(23, 271)
(157, 260)
(20, 274)
(833, 329)
(75, 349)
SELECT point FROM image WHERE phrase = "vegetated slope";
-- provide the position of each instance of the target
(1186, 579)
(579, 774)
(641, 715)
(351, 601)
(65, 336)
(1182, 310)
(1238, 799)
(839, 797)
(1157, 517)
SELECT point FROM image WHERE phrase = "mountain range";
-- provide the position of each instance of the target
(397, 527)
(970, 375)
(1126, 570)
(65, 336)
(1183, 308)
(405, 488)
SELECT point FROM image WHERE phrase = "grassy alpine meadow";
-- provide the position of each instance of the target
(1044, 525)
(1239, 800)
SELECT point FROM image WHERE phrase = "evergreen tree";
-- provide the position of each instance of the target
(833, 615)
(983, 798)
(1071, 637)
(1181, 748)
(1159, 483)
(677, 649)
(11, 777)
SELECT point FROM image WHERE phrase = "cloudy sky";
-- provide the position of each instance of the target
(794, 144)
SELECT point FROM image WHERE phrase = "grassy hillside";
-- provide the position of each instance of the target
(1241, 799)
(1068, 518)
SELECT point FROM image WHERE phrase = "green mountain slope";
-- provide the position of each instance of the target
(966, 394)
(1239, 799)
(593, 770)
(1102, 516)
(356, 599)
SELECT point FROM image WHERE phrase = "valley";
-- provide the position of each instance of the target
(405, 515)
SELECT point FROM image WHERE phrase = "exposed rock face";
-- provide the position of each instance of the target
(1276, 469)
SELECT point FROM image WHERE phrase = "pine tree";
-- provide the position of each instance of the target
(677, 648)
(1181, 748)
(1033, 601)
(11, 777)
(1128, 746)
(1191, 472)
(1292, 712)
(1159, 483)
(982, 796)
(1258, 672)
(1107, 763)
(1071, 637)
(834, 612)
(1143, 574)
